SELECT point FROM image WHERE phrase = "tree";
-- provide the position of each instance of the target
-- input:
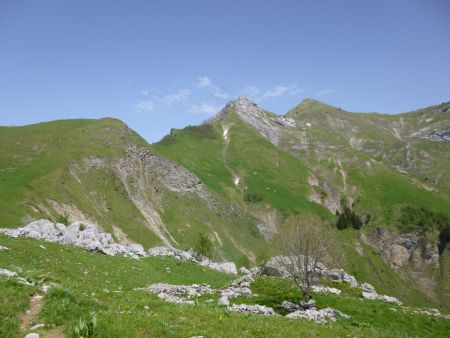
(348, 218)
(305, 245)
(203, 246)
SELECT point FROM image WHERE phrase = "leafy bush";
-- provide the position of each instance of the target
(348, 218)
(253, 197)
(203, 246)
(64, 219)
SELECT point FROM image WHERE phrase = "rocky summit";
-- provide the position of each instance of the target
(106, 234)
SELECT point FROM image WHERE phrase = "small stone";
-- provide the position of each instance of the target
(32, 335)
(224, 301)
(38, 326)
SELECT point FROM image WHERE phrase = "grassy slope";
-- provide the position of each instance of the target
(381, 187)
(263, 168)
(82, 278)
(282, 181)
(33, 156)
(44, 162)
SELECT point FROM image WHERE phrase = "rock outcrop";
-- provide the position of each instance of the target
(368, 292)
(227, 267)
(319, 316)
(399, 250)
(254, 309)
(79, 234)
(179, 294)
(87, 236)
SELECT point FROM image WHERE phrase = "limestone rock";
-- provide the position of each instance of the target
(8, 273)
(224, 301)
(179, 294)
(319, 316)
(32, 335)
(80, 234)
(255, 309)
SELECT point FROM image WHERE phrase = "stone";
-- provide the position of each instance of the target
(4, 248)
(32, 335)
(289, 306)
(254, 309)
(243, 270)
(227, 267)
(339, 275)
(389, 299)
(325, 289)
(178, 294)
(37, 326)
(224, 301)
(319, 316)
(8, 273)
(238, 288)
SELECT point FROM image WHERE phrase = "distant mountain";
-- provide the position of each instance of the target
(241, 175)
(391, 170)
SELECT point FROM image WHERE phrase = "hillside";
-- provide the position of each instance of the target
(318, 159)
(85, 284)
(102, 172)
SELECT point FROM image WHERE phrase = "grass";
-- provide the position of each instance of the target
(375, 318)
(89, 284)
(44, 162)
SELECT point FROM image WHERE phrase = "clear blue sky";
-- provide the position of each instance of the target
(163, 64)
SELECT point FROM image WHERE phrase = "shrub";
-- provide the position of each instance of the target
(203, 246)
(253, 197)
(420, 218)
(64, 219)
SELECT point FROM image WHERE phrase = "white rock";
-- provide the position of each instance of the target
(4, 248)
(32, 335)
(38, 326)
(227, 267)
(319, 316)
(8, 273)
(255, 309)
(325, 289)
(243, 270)
(389, 299)
(224, 301)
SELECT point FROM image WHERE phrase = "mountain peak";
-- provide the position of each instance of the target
(311, 106)
(242, 105)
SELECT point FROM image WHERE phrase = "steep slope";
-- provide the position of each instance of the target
(316, 160)
(102, 172)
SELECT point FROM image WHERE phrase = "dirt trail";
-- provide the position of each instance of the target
(29, 321)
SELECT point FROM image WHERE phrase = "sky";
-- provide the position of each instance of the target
(158, 65)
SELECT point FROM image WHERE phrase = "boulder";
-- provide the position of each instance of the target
(339, 276)
(289, 306)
